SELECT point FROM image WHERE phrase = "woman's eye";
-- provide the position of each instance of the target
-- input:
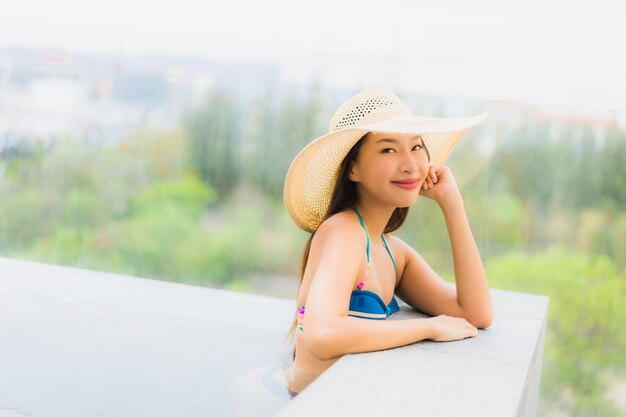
(416, 147)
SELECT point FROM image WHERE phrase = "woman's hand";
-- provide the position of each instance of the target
(446, 329)
(439, 182)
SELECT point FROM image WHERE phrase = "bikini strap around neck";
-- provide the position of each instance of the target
(389, 252)
(368, 240)
(366, 234)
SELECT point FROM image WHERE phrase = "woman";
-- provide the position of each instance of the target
(350, 188)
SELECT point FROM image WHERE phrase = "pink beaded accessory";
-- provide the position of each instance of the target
(301, 318)
(367, 274)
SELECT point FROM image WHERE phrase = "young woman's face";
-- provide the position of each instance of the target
(391, 168)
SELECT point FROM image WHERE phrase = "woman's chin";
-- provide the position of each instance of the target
(407, 202)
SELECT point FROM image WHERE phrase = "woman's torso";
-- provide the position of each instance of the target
(378, 289)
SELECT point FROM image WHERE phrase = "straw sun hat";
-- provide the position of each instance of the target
(313, 173)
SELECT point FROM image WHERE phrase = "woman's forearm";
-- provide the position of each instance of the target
(345, 334)
(348, 334)
(471, 283)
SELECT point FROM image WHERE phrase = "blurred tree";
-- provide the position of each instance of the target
(554, 168)
(214, 141)
(22, 219)
(611, 167)
(586, 334)
(276, 132)
(580, 177)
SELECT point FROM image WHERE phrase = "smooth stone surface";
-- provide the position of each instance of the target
(78, 343)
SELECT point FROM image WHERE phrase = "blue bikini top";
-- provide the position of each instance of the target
(365, 304)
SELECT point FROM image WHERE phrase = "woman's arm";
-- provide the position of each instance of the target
(471, 282)
(328, 330)
(345, 334)
(423, 289)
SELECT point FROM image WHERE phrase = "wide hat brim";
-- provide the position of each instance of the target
(312, 175)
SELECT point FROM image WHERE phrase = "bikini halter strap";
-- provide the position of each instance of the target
(366, 234)
(368, 240)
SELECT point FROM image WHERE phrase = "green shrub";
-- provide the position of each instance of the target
(586, 334)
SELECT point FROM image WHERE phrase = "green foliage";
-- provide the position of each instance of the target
(255, 143)
(586, 332)
(145, 241)
(82, 209)
(551, 168)
(135, 208)
(612, 170)
(214, 144)
(275, 134)
(187, 193)
(251, 236)
(156, 156)
(22, 219)
(63, 246)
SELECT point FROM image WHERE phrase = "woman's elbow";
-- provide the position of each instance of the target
(482, 321)
(322, 343)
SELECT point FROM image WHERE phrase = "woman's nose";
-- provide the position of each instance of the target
(410, 163)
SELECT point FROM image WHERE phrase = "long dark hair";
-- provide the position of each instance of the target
(344, 197)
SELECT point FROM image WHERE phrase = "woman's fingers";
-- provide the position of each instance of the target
(431, 178)
(433, 175)
(452, 328)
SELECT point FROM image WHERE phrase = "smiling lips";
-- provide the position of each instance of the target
(407, 184)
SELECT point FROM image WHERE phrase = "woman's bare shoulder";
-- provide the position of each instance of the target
(337, 249)
(344, 218)
(340, 228)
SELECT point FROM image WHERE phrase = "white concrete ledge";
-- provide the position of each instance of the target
(494, 374)
(78, 343)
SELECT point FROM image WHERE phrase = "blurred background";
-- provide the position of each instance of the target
(152, 139)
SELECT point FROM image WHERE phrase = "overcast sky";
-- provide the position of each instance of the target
(565, 53)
